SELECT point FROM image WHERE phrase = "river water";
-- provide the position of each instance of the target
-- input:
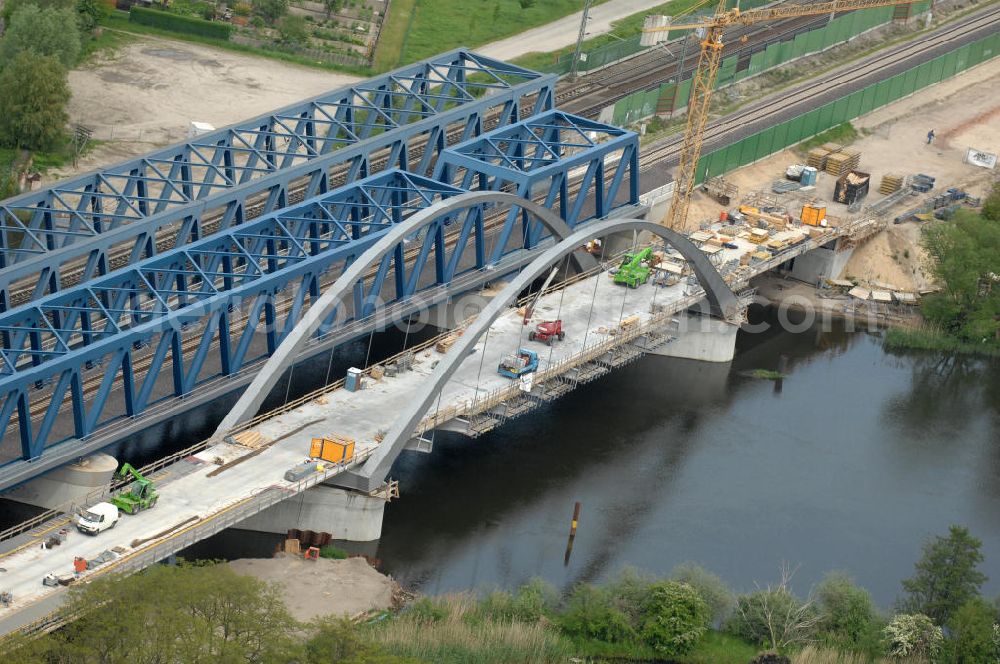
(850, 463)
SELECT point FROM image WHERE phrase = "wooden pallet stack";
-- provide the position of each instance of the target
(817, 158)
(891, 183)
(841, 162)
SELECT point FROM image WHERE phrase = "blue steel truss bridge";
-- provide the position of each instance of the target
(130, 295)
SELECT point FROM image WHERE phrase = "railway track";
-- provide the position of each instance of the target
(656, 66)
(769, 110)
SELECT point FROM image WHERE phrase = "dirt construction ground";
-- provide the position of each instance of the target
(145, 95)
(964, 113)
(314, 588)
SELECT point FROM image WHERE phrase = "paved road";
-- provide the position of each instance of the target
(563, 32)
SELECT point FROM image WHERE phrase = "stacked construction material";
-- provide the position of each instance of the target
(891, 183)
(841, 162)
(817, 158)
(851, 188)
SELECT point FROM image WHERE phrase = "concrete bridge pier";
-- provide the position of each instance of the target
(701, 337)
(347, 515)
(826, 262)
(70, 483)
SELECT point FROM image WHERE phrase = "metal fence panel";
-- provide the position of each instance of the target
(795, 130)
(867, 100)
(825, 119)
(749, 151)
(840, 111)
(733, 155)
(779, 137)
(814, 40)
(683, 94)
(881, 94)
(896, 86)
(773, 53)
(910, 81)
(758, 61)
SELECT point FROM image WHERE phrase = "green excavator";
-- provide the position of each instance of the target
(633, 270)
(140, 495)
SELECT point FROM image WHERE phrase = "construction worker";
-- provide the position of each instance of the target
(930, 136)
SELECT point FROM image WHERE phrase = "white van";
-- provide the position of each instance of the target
(100, 517)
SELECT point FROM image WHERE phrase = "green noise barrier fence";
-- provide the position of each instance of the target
(672, 96)
(776, 138)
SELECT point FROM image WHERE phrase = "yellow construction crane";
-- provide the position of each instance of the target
(708, 67)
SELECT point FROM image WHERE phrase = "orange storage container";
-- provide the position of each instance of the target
(812, 215)
(333, 450)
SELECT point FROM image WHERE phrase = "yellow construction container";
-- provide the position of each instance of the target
(813, 214)
(334, 450)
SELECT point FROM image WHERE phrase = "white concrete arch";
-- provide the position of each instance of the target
(255, 393)
(371, 475)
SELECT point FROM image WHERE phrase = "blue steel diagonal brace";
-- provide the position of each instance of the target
(151, 303)
(129, 205)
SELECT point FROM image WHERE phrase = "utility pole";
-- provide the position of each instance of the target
(579, 39)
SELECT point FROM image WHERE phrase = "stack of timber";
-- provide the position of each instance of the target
(842, 162)
(891, 183)
(250, 439)
(448, 340)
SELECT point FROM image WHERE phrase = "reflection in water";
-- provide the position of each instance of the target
(850, 465)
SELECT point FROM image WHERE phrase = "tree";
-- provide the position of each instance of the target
(946, 575)
(848, 613)
(33, 97)
(336, 641)
(11, 6)
(964, 254)
(913, 635)
(271, 10)
(674, 618)
(710, 587)
(89, 13)
(774, 616)
(991, 206)
(48, 31)
(293, 30)
(971, 630)
(185, 613)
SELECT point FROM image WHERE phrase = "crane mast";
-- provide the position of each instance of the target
(703, 81)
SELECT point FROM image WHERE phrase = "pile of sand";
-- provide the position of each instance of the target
(892, 258)
(314, 588)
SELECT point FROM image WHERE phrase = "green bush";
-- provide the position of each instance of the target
(675, 618)
(913, 635)
(332, 552)
(849, 619)
(972, 631)
(590, 613)
(177, 23)
(531, 601)
(710, 587)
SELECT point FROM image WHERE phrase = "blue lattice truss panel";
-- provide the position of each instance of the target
(541, 157)
(92, 354)
(79, 229)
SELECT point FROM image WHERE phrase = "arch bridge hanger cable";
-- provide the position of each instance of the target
(375, 469)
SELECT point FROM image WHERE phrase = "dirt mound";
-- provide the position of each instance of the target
(314, 588)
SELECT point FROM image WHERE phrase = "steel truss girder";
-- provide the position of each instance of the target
(184, 304)
(254, 162)
(538, 156)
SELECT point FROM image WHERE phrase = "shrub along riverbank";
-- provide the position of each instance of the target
(965, 259)
(189, 614)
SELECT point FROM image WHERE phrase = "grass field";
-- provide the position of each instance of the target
(418, 29)
(844, 134)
